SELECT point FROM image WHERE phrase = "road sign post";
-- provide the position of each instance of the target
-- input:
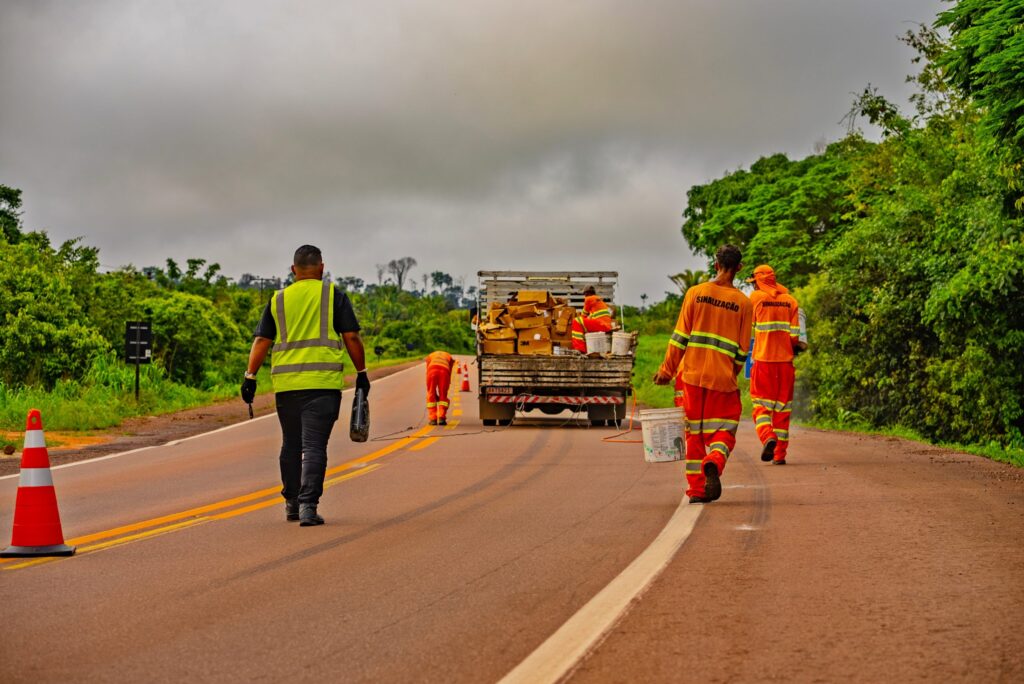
(138, 346)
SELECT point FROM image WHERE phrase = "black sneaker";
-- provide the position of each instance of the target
(308, 516)
(712, 485)
(433, 422)
(700, 499)
(780, 461)
(442, 421)
(768, 453)
(291, 510)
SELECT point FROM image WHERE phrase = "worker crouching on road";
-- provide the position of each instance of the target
(776, 337)
(439, 379)
(307, 323)
(712, 339)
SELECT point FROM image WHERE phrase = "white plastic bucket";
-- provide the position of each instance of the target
(664, 434)
(598, 342)
(621, 343)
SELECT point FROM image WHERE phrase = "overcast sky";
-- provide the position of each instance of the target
(466, 134)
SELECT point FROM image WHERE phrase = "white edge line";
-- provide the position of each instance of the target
(184, 439)
(571, 643)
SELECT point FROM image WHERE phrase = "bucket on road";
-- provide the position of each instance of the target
(622, 342)
(598, 342)
(664, 434)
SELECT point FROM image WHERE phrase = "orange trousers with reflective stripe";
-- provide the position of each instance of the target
(771, 382)
(706, 443)
(439, 378)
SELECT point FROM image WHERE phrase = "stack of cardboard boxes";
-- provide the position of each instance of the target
(533, 322)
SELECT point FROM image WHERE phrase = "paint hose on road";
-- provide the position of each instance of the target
(631, 428)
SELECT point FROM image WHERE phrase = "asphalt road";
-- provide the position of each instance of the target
(450, 555)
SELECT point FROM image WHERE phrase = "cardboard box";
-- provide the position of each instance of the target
(561, 319)
(542, 298)
(499, 346)
(494, 332)
(534, 341)
(524, 310)
(561, 339)
(541, 321)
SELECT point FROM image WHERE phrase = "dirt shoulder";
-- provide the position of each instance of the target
(146, 431)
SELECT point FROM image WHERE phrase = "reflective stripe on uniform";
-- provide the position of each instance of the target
(601, 313)
(763, 419)
(35, 477)
(693, 466)
(431, 404)
(679, 339)
(443, 403)
(720, 447)
(770, 326)
(782, 435)
(715, 342)
(300, 367)
(709, 425)
(772, 405)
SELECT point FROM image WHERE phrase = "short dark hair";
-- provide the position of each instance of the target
(729, 257)
(589, 291)
(307, 256)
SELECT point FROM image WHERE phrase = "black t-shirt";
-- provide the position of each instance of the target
(344, 317)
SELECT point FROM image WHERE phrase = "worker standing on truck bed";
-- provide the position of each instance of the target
(776, 337)
(712, 338)
(439, 377)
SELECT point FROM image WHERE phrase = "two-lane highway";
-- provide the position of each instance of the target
(449, 554)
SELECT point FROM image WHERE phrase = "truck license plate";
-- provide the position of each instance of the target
(497, 390)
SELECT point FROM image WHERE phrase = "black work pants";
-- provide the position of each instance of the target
(307, 418)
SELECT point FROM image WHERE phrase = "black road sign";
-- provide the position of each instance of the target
(138, 342)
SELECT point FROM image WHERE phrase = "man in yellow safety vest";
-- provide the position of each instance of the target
(304, 327)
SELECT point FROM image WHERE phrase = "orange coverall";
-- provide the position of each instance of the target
(598, 315)
(776, 332)
(711, 340)
(439, 377)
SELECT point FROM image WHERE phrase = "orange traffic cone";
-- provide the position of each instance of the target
(465, 378)
(37, 530)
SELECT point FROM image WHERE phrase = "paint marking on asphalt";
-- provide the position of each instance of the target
(358, 467)
(567, 647)
(184, 439)
(452, 425)
(183, 524)
(423, 443)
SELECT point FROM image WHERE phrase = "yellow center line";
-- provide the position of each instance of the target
(423, 443)
(452, 425)
(197, 514)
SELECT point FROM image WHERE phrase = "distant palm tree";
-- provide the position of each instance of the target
(687, 279)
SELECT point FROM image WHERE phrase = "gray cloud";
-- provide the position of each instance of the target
(468, 135)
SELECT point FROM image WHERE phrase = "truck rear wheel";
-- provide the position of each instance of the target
(504, 422)
(489, 422)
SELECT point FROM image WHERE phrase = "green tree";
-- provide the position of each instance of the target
(10, 214)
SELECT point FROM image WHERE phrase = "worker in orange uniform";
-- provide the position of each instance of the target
(776, 336)
(711, 339)
(597, 315)
(439, 377)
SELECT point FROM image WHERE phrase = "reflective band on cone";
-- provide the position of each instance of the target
(37, 530)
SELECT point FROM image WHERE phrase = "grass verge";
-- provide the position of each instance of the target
(107, 398)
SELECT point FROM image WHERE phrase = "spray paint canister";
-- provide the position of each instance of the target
(359, 426)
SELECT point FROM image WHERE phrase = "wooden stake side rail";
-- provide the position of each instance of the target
(555, 372)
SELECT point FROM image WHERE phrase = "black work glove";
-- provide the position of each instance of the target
(363, 382)
(248, 390)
